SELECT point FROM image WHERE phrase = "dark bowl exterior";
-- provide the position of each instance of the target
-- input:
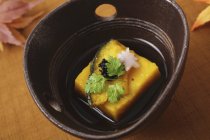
(70, 20)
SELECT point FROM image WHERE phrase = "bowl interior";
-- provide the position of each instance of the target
(65, 42)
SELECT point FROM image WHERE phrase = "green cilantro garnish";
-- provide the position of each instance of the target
(114, 67)
(115, 92)
(95, 84)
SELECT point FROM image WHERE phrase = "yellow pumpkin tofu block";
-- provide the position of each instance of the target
(136, 81)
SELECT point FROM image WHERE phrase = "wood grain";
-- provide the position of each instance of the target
(187, 117)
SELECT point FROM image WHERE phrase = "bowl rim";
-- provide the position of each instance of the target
(153, 108)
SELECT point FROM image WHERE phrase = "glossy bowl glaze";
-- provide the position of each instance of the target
(72, 34)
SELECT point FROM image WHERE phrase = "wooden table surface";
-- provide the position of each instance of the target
(187, 117)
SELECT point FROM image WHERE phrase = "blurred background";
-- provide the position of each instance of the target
(187, 117)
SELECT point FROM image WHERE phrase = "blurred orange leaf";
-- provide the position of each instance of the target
(1, 47)
(202, 18)
(6, 35)
(18, 36)
(13, 11)
(23, 22)
(205, 1)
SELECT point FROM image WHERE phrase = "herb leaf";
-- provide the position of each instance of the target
(115, 67)
(95, 84)
(115, 92)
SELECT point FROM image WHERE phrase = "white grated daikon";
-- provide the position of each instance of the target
(128, 59)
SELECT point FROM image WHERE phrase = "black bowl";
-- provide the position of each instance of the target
(66, 40)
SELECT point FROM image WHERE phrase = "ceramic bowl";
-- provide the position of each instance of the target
(64, 42)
